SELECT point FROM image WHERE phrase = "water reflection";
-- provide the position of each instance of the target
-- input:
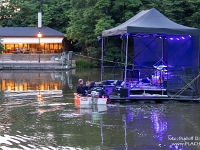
(116, 126)
(53, 121)
(159, 124)
(29, 84)
(152, 124)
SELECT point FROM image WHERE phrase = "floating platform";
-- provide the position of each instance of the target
(114, 98)
(143, 92)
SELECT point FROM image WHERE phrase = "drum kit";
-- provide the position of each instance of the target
(157, 78)
(159, 75)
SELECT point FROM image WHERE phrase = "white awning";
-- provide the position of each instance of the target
(31, 40)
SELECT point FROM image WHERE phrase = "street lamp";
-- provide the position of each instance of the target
(39, 36)
(39, 96)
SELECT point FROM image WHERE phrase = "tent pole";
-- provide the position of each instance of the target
(125, 133)
(102, 59)
(161, 73)
(126, 58)
(162, 50)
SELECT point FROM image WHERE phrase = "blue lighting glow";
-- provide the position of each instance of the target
(159, 124)
(178, 38)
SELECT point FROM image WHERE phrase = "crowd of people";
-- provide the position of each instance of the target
(86, 89)
(19, 50)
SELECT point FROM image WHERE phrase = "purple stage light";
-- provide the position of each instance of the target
(159, 124)
(177, 37)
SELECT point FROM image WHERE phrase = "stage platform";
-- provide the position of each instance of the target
(120, 91)
(145, 94)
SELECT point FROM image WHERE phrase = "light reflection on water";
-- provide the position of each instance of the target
(54, 122)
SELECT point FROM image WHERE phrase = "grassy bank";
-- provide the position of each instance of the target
(85, 63)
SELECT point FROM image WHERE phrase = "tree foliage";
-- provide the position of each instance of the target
(83, 20)
(1, 47)
(23, 13)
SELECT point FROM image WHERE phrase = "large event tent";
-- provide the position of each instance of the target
(157, 42)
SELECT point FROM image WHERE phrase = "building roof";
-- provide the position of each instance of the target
(29, 32)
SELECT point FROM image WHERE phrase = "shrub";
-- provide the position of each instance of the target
(83, 63)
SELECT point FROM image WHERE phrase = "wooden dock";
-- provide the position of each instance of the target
(33, 65)
(36, 62)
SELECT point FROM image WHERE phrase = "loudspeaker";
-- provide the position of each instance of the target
(124, 92)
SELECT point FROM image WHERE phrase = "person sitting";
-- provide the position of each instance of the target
(102, 92)
(19, 50)
(80, 88)
(160, 81)
(86, 87)
(92, 84)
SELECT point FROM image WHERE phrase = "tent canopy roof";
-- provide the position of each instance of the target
(151, 22)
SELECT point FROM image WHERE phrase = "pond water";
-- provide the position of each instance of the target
(37, 111)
